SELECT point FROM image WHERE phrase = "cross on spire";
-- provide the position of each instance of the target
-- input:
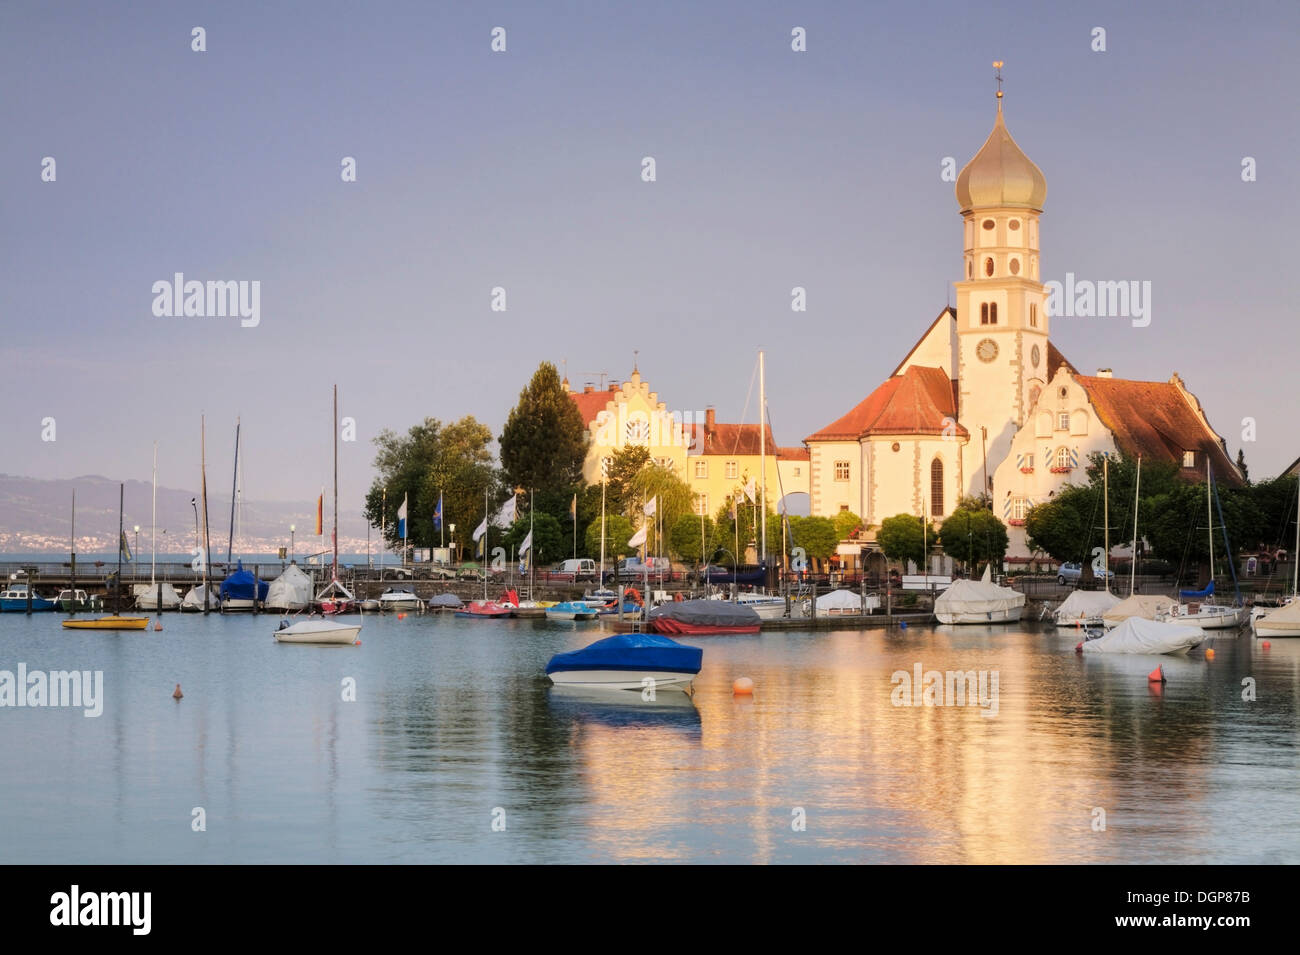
(997, 75)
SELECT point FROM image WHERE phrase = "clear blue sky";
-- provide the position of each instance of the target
(521, 169)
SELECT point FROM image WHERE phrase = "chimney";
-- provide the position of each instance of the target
(710, 417)
(588, 389)
(1104, 373)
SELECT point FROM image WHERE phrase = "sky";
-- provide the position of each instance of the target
(522, 170)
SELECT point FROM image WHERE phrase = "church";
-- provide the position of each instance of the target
(984, 403)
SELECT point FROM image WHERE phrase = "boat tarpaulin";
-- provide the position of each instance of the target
(630, 651)
(242, 585)
(977, 596)
(707, 613)
(1139, 635)
(446, 600)
(1198, 594)
(1086, 603)
(290, 591)
(843, 601)
(1137, 605)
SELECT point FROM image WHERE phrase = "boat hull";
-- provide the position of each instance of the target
(622, 679)
(682, 628)
(332, 634)
(108, 623)
(1010, 615)
(14, 605)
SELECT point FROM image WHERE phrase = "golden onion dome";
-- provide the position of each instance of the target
(1001, 175)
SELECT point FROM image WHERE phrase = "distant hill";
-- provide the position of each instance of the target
(35, 515)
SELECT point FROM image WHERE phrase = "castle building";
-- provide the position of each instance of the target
(984, 403)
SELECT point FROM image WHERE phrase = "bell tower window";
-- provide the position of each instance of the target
(988, 266)
(1033, 315)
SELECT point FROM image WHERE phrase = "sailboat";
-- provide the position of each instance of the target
(1204, 614)
(113, 621)
(1084, 608)
(335, 595)
(486, 609)
(1283, 621)
(155, 595)
(767, 606)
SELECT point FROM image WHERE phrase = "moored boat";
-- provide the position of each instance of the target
(318, 632)
(767, 606)
(242, 590)
(1084, 608)
(290, 591)
(113, 622)
(1283, 621)
(159, 595)
(571, 610)
(193, 602)
(445, 602)
(627, 661)
(978, 601)
(399, 598)
(703, 618)
(76, 601)
(14, 600)
(1139, 635)
(1143, 606)
(484, 610)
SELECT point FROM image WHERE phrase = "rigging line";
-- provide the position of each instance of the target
(748, 397)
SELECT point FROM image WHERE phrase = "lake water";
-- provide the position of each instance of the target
(455, 726)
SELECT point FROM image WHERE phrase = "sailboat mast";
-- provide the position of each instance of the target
(1137, 489)
(1105, 492)
(762, 455)
(602, 530)
(203, 481)
(487, 533)
(153, 555)
(335, 428)
(1295, 555)
(72, 545)
(1209, 511)
(121, 535)
(532, 543)
(234, 483)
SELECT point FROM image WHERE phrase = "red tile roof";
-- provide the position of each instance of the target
(793, 454)
(1159, 420)
(915, 402)
(592, 403)
(726, 439)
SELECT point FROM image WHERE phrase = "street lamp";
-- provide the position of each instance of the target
(292, 528)
(194, 503)
(451, 529)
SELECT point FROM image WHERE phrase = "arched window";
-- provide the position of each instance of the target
(984, 313)
(1063, 458)
(988, 266)
(936, 488)
(993, 313)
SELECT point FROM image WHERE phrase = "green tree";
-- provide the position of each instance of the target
(684, 539)
(432, 458)
(624, 466)
(815, 535)
(846, 522)
(975, 535)
(618, 531)
(550, 541)
(1059, 527)
(903, 537)
(673, 499)
(543, 444)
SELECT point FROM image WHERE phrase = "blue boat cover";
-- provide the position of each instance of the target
(241, 585)
(631, 651)
(1198, 594)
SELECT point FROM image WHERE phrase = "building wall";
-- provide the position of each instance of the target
(829, 493)
(635, 416)
(719, 487)
(899, 481)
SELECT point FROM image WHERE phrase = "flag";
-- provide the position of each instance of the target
(320, 513)
(751, 491)
(126, 548)
(401, 519)
(573, 507)
(506, 516)
(651, 506)
(527, 543)
(437, 515)
(637, 539)
(481, 529)
(733, 508)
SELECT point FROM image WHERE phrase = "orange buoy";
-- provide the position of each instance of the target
(176, 693)
(1266, 644)
(743, 686)
(1209, 654)
(158, 625)
(357, 644)
(1157, 675)
(401, 616)
(1078, 647)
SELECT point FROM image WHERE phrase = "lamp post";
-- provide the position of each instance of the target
(292, 528)
(451, 529)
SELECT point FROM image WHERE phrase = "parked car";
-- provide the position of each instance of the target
(633, 568)
(582, 568)
(1070, 573)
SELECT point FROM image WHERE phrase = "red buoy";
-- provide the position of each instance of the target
(1157, 675)
(176, 693)
(1078, 648)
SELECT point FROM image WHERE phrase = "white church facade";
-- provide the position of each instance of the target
(984, 403)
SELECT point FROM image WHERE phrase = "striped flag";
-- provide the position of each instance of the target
(527, 543)
(401, 519)
(126, 548)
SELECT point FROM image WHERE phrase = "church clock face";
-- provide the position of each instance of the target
(1035, 355)
(987, 350)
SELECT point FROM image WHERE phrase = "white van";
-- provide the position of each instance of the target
(583, 568)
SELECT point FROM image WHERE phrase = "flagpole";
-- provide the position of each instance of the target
(602, 535)
(532, 544)
(442, 522)
(383, 531)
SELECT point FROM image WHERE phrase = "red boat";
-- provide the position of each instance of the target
(483, 609)
(701, 618)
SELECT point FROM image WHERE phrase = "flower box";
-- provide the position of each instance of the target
(1059, 469)
(1026, 470)
(1017, 522)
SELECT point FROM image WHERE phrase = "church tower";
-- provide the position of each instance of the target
(1001, 303)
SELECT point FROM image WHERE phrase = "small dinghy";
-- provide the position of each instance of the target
(703, 618)
(571, 610)
(627, 661)
(108, 623)
(1139, 635)
(318, 631)
(485, 610)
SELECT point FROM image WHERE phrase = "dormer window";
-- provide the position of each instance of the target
(1189, 459)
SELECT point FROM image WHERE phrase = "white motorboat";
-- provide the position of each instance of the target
(397, 598)
(1206, 616)
(1139, 635)
(318, 631)
(767, 606)
(1084, 608)
(628, 661)
(979, 601)
(1281, 621)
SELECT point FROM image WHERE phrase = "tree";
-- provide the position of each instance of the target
(903, 538)
(684, 539)
(431, 459)
(624, 466)
(673, 499)
(1060, 527)
(846, 522)
(815, 535)
(618, 531)
(550, 541)
(974, 534)
(543, 444)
